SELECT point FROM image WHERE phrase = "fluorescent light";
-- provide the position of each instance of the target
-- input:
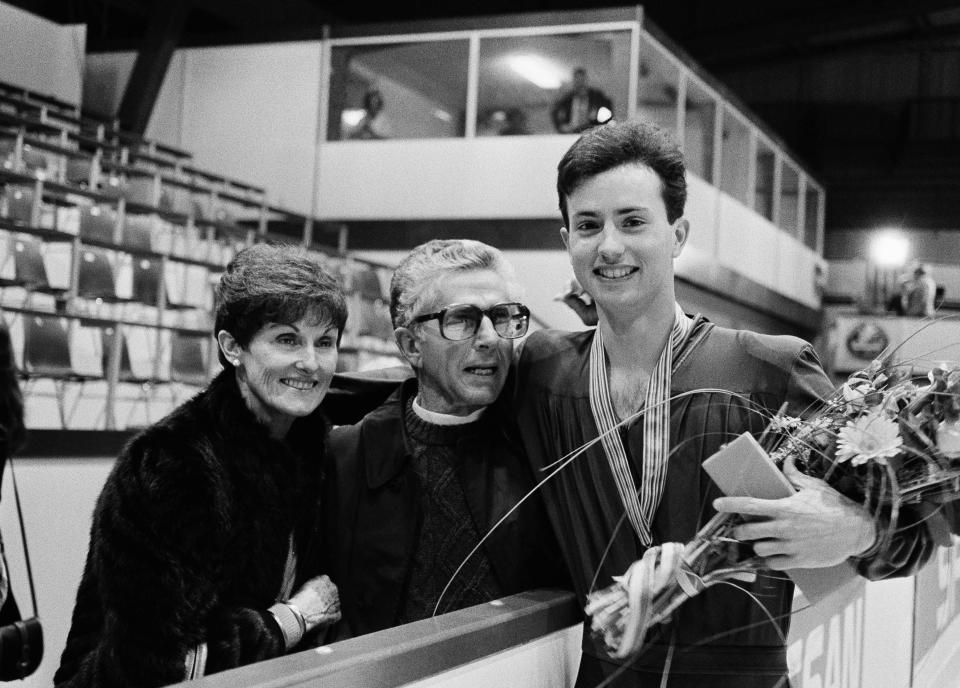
(889, 248)
(537, 70)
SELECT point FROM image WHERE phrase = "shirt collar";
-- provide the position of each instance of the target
(443, 418)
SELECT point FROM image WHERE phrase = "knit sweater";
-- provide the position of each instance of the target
(384, 539)
(447, 532)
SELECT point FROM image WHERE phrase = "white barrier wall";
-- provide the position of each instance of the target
(40, 55)
(58, 496)
(455, 178)
(874, 636)
(936, 637)
(855, 340)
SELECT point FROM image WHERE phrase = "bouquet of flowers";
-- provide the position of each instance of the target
(882, 440)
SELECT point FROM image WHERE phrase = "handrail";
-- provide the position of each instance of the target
(414, 651)
(98, 321)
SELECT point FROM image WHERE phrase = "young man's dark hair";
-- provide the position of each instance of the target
(634, 142)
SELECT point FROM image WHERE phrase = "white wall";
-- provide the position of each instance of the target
(489, 177)
(247, 112)
(865, 633)
(251, 113)
(40, 55)
(58, 497)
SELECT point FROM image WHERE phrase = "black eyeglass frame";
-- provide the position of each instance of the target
(522, 312)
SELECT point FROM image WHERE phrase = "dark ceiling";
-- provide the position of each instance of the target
(884, 155)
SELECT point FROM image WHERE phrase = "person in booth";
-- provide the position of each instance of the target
(205, 548)
(581, 107)
(622, 191)
(918, 293)
(422, 478)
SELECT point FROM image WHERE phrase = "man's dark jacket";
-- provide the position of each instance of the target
(374, 514)
(596, 99)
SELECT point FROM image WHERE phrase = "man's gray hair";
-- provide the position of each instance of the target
(415, 277)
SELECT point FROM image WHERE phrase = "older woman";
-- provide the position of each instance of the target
(204, 551)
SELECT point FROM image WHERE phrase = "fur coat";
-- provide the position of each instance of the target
(189, 542)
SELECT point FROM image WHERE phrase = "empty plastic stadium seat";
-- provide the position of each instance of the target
(79, 171)
(8, 149)
(97, 223)
(47, 354)
(19, 203)
(34, 160)
(141, 190)
(374, 314)
(46, 347)
(147, 280)
(30, 271)
(187, 286)
(138, 355)
(96, 279)
(138, 232)
(188, 362)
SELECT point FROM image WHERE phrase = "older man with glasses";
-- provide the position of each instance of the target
(421, 479)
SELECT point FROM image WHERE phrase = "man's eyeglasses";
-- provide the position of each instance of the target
(462, 321)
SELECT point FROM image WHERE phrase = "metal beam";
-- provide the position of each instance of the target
(167, 18)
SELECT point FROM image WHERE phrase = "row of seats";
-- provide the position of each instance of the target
(50, 345)
(102, 275)
(39, 111)
(142, 184)
(69, 351)
(100, 234)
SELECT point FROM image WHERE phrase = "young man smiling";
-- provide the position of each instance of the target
(622, 190)
(422, 478)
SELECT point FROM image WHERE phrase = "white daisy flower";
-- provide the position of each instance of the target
(869, 438)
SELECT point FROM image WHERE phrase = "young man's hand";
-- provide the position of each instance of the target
(813, 528)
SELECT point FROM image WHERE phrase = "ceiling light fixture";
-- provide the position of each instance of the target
(537, 70)
(889, 248)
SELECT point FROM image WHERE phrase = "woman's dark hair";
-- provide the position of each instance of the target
(275, 284)
(634, 142)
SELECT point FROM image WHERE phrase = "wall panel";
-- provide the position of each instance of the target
(40, 55)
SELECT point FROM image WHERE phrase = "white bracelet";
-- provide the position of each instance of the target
(289, 622)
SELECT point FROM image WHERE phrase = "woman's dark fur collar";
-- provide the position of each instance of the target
(224, 403)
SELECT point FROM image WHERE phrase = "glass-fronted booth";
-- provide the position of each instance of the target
(542, 80)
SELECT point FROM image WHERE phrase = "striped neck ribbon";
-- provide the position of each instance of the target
(640, 504)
